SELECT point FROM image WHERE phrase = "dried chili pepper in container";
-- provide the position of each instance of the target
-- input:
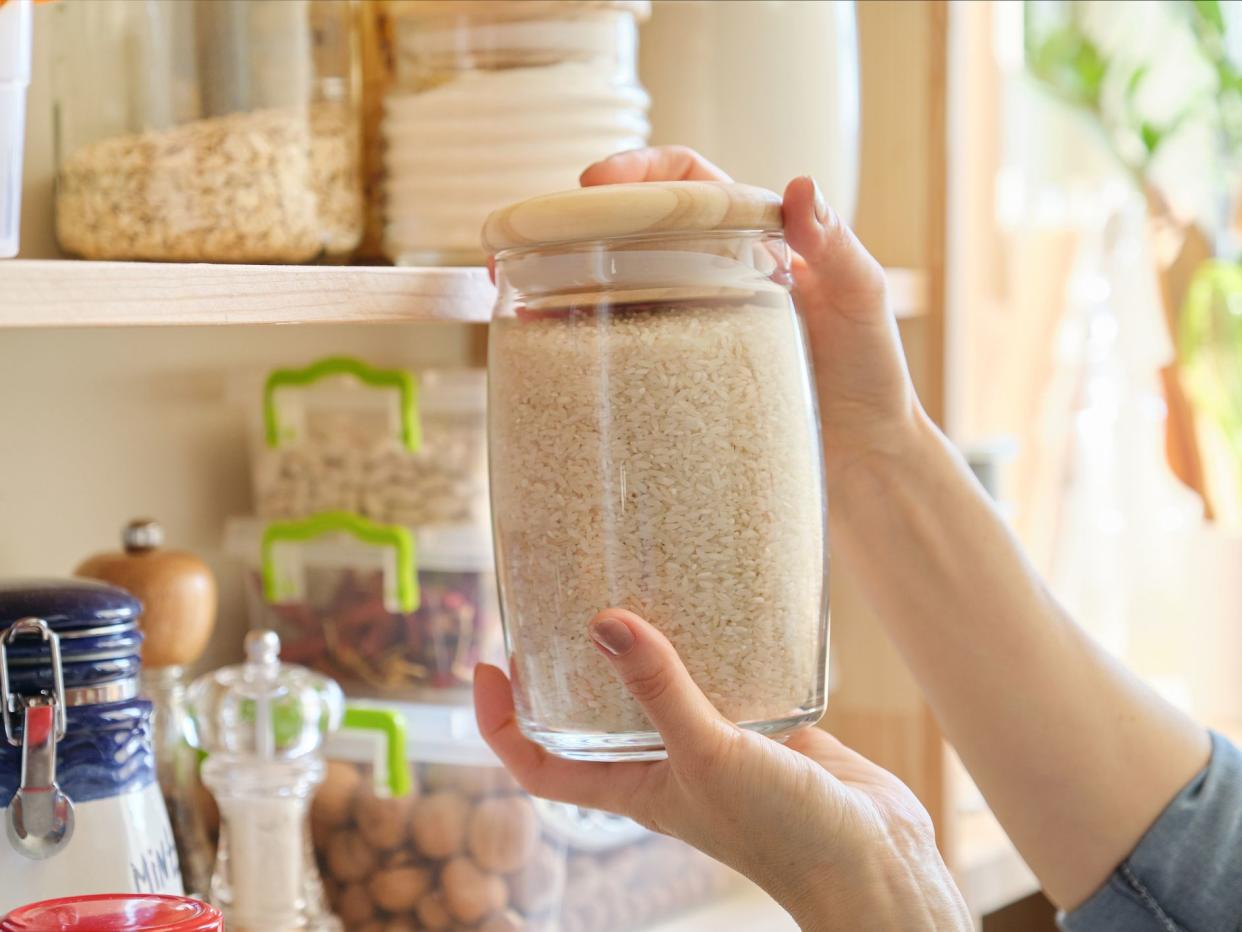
(388, 611)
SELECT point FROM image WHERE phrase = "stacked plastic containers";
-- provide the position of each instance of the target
(370, 555)
(496, 100)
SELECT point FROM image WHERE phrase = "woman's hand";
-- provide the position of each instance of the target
(866, 401)
(839, 842)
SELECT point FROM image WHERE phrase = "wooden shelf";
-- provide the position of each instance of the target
(69, 293)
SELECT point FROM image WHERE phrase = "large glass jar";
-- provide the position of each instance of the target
(207, 130)
(654, 445)
(497, 100)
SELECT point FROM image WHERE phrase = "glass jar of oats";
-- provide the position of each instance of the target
(207, 130)
(654, 446)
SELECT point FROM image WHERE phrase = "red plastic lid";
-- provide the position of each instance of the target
(115, 912)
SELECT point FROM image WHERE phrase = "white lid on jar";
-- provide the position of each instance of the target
(615, 211)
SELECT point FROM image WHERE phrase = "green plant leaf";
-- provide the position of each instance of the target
(1070, 63)
(1151, 135)
(1210, 15)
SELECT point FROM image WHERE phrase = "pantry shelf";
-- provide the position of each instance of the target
(70, 293)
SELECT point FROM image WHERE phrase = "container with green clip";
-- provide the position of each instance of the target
(388, 611)
(384, 443)
(433, 834)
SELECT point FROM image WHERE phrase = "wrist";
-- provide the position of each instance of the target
(900, 452)
(894, 894)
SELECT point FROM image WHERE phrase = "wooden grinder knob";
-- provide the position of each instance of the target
(177, 591)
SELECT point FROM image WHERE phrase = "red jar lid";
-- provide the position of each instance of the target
(115, 912)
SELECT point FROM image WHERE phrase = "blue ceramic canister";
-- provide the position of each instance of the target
(82, 809)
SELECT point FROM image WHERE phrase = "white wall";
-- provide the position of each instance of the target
(102, 426)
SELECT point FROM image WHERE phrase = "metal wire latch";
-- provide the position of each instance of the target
(40, 817)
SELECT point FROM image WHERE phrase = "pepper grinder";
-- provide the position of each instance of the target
(263, 725)
(178, 593)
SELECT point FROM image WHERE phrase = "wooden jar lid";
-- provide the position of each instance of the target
(616, 210)
(512, 10)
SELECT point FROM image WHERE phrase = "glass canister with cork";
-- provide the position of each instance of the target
(654, 446)
(81, 803)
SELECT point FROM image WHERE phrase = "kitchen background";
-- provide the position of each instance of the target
(1046, 182)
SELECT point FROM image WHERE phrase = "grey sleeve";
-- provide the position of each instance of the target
(1185, 875)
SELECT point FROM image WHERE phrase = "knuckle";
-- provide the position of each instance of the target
(711, 754)
(648, 684)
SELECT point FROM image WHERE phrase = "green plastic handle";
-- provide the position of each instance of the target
(392, 726)
(405, 384)
(334, 522)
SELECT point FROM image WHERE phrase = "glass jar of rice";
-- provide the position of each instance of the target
(654, 446)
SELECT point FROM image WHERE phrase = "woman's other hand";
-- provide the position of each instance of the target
(866, 400)
(839, 842)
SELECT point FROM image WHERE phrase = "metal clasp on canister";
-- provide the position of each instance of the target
(40, 817)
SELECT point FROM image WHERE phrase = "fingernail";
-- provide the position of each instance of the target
(612, 635)
(821, 205)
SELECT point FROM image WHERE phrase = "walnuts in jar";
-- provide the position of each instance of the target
(470, 851)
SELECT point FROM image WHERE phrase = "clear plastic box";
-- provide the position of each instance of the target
(459, 846)
(387, 444)
(15, 48)
(387, 611)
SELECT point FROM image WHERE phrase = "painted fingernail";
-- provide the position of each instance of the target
(612, 635)
(821, 205)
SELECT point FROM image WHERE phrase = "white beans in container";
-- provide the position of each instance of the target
(339, 443)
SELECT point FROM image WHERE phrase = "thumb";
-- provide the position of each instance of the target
(839, 276)
(653, 673)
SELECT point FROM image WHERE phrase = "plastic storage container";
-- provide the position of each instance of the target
(462, 847)
(207, 131)
(496, 100)
(654, 445)
(15, 49)
(81, 803)
(622, 878)
(385, 610)
(386, 444)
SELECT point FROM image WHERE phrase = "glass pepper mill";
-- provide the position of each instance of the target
(263, 725)
(178, 593)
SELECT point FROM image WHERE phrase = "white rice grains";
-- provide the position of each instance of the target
(667, 461)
